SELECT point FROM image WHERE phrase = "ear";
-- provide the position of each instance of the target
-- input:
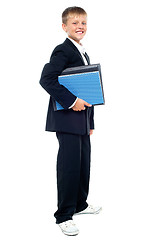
(64, 27)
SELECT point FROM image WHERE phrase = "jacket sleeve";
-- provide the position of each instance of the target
(92, 118)
(49, 78)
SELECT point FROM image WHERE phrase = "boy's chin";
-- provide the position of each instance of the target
(77, 39)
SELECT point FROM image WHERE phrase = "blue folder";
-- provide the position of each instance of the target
(85, 82)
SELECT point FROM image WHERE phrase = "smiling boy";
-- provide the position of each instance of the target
(73, 125)
(75, 26)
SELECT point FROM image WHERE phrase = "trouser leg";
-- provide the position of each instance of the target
(73, 168)
(84, 174)
(68, 175)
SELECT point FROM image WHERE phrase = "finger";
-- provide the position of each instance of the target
(75, 109)
(87, 104)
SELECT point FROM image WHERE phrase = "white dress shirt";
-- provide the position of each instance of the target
(81, 49)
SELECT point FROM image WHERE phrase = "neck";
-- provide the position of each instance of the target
(75, 40)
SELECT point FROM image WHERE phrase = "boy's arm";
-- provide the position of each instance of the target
(49, 79)
(92, 121)
(92, 118)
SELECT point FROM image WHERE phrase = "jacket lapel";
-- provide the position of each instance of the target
(68, 42)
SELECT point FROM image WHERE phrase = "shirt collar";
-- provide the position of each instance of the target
(80, 47)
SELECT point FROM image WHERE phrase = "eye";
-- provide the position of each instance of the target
(74, 23)
(84, 23)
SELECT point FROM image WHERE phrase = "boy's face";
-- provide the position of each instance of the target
(76, 27)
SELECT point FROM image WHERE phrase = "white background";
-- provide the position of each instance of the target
(123, 36)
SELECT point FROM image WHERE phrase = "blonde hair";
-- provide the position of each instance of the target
(72, 11)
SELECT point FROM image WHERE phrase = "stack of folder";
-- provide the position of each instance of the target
(85, 82)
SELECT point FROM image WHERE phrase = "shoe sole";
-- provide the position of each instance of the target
(71, 234)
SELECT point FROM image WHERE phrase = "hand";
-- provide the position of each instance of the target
(80, 105)
(91, 132)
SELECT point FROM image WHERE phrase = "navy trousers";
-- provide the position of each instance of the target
(73, 173)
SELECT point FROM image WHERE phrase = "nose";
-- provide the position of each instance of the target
(80, 25)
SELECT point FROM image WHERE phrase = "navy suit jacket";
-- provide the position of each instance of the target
(63, 56)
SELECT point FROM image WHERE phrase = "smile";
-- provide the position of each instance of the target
(80, 32)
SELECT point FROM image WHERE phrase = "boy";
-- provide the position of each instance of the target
(73, 125)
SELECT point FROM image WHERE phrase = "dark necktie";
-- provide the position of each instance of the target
(87, 58)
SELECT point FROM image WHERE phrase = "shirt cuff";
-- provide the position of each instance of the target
(73, 103)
